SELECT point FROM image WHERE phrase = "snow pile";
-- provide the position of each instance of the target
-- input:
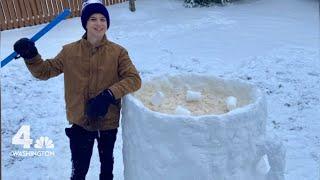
(228, 146)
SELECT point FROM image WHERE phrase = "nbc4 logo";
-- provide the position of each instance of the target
(22, 137)
(44, 142)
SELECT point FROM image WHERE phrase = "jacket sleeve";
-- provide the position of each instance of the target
(129, 79)
(49, 68)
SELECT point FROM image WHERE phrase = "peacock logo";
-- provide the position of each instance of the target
(44, 142)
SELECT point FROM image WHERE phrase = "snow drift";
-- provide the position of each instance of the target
(230, 145)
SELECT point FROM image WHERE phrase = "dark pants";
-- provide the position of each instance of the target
(81, 145)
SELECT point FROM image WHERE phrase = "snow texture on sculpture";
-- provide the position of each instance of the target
(227, 146)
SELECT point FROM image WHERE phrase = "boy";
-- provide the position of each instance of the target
(97, 74)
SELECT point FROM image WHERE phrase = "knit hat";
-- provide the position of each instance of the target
(90, 7)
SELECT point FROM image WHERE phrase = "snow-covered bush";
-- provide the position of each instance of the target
(195, 3)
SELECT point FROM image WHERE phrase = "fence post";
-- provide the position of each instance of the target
(65, 4)
(7, 15)
(132, 5)
(18, 13)
(35, 12)
(78, 6)
(29, 13)
(3, 24)
(13, 14)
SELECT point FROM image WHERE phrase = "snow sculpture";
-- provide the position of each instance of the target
(226, 145)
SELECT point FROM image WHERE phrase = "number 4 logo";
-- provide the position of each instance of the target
(22, 137)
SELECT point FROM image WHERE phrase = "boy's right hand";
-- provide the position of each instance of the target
(26, 48)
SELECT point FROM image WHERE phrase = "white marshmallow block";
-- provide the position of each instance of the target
(231, 103)
(193, 96)
(157, 98)
(180, 110)
(263, 166)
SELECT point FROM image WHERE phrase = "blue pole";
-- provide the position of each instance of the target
(39, 34)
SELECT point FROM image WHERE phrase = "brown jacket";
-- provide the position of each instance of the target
(89, 70)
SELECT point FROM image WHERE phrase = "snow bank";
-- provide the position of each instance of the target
(204, 145)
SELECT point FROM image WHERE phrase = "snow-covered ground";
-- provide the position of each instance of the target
(272, 43)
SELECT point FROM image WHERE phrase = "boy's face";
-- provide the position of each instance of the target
(97, 25)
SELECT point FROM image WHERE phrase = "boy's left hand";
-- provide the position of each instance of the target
(97, 107)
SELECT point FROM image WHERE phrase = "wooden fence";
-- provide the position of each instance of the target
(21, 13)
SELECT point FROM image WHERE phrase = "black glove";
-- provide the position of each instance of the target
(97, 107)
(26, 48)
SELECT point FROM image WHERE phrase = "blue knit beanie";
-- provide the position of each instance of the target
(90, 7)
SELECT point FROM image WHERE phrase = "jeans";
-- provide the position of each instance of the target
(81, 145)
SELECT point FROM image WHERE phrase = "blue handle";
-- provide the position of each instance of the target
(39, 34)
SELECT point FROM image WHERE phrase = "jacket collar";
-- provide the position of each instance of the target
(103, 42)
